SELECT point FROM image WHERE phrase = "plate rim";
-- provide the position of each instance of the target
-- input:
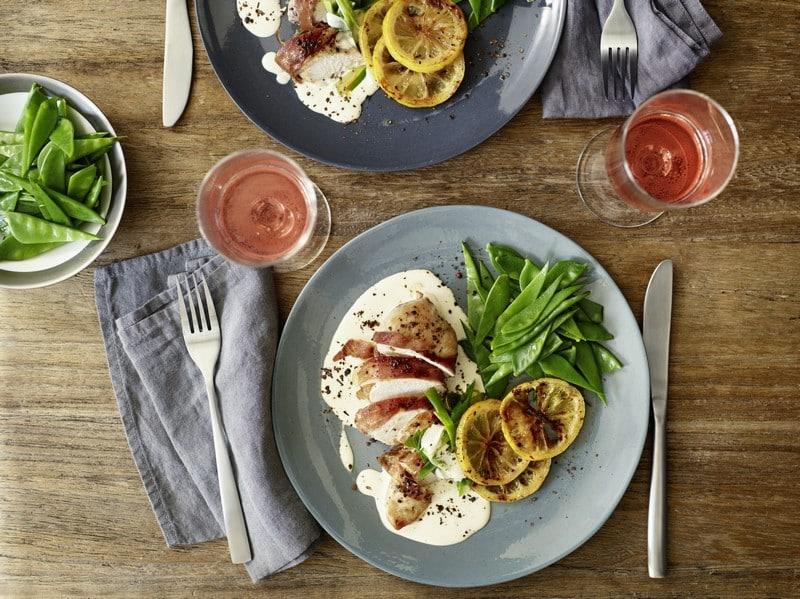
(119, 193)
(203, 27)
(293, 315)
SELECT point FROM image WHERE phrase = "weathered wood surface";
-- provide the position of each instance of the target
(74, 519)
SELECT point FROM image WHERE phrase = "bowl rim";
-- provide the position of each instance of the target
(116, 157)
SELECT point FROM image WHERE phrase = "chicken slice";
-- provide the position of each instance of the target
(382, 377)
(358, 348)
(305, 13)
(318, 54)
(416, 329)
(407, 498)
(394, 420)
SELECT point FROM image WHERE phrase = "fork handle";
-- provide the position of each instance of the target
(656, 562)
(232, 515)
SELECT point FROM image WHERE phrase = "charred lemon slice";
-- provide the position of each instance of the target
(541, 418)
(416, 90)
(482, 451)
(425, 35)
(524, 485)
(371, 28)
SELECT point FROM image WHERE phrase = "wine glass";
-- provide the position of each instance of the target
(259, 208)
(677, 150)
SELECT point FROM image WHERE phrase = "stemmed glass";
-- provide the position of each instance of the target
(677, 150)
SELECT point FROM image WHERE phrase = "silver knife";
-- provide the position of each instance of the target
(655, 331)
(177, 62)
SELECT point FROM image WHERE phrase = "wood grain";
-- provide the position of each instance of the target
(74, 519)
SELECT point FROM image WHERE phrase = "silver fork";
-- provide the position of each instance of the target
(201, 334)
(619, 53)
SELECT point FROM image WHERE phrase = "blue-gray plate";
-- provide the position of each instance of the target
(585, 483)
(507, 58)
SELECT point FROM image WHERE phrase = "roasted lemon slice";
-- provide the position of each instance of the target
(417, 90)
(541, 418)
(483, 452)
(425, 35)
(371, 28)
(524, 485)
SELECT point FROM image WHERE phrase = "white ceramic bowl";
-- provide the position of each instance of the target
(69, 259)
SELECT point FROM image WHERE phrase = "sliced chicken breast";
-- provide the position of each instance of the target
(416, 329)
(318, 54)
(392, 421)
(407, 498)
(382, 377)
(305, 13)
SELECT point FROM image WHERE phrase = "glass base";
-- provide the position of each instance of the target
(596, 190)
(317, 241)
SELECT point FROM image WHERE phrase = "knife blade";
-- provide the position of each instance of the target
(655, 332)
(177, 62)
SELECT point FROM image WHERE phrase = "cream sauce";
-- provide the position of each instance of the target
(323, 98)
(345, 451)
(269, 64)
(260, 17)
(449, 519)
(364, 318)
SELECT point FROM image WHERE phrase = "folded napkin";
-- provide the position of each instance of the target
(674, 36)
(164, 407)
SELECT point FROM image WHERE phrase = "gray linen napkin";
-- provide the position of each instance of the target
(164, 408)
(674, 37)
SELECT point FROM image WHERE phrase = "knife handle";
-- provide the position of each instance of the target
(656, 525)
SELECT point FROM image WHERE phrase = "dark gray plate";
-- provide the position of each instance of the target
(507, 57)
(585, 483)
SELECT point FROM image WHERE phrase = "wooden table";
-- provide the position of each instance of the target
(74, 518)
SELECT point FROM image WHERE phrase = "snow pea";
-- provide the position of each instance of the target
(93, 197)
(11, 249)
(500, 375)
(502, 353)
(592, 311)
(569, 354)
(39, 132)
(29, 229)
(528, 272)
(534, 371)
(552, 344)
(9, 150)
(13, 164)
(64, 136)
(486, 277)
(93, 147)
(529, 294)
(61, 105)
(52, 164)
(606, 361)
(594, 332)
(473, 276)
(496, 303)
(505, 260)
(567, 294)
(534, 311)
(558, 367)
(35, 99)
(75, 209)
(526, 355)
(570, 329)
(529, 315)
(27, 204)
(568, 270)
(8, 201)
(81, 182)
(47, 207)
(586, 364)
(10, 137)
(93, 135)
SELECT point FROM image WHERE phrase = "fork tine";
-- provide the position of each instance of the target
(634, 69)
(615, 71)
(194, 320)
(204, 326)
(185, 325)
(623, 73)
(605, 67)
(212, 313)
